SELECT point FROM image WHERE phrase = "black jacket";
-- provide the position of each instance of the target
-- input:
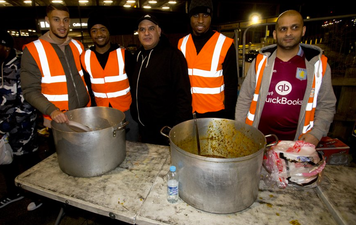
(160, 86)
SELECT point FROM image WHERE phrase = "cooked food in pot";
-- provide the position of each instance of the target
(221, 140)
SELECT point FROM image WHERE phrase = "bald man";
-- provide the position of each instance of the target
(288, 90)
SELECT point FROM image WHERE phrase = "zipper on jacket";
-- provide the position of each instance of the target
(71, 75)
(138, 78)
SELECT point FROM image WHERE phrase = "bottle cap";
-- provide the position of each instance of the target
(172, 168)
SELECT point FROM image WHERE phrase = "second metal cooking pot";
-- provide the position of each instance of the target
(92, 153)
(225, 177)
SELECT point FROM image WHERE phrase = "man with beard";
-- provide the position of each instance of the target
(211, 58)
(51, 75)
(105, 71)
(288, 90)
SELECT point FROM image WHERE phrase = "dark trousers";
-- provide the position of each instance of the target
(152, 135)
(19, 164)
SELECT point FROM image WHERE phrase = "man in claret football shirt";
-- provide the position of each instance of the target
(288, 90)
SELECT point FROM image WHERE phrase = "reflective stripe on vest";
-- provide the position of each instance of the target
(261, 61)
(205, 71)
(110, 85)
(80, 49)
(319, 71)
(53, 82)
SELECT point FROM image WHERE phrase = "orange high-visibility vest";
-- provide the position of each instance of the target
(110, 85)
(54, 82)
(319, 71)
(261, 61)
(206, 72)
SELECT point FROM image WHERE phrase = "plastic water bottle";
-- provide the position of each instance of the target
(172, 185)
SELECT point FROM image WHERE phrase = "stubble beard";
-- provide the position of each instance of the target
(288, 47)
(60, 37)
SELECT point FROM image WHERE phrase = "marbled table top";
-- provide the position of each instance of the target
(135, 192)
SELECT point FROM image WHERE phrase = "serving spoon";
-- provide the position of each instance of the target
(196, 131)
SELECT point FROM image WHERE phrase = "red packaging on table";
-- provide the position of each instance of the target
(329, 146)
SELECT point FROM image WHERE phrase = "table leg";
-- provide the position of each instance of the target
(60, 216)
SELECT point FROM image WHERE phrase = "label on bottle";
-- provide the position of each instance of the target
(172, 187)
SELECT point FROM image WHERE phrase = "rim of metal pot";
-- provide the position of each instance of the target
(118, 126)
(226, 160)
(212, 159)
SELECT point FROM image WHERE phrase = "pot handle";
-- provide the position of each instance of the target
(273, 143)
(120, 127)
(163, 130)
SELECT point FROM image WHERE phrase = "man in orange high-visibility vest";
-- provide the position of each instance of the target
(288, 90)
(212, 69)
(105, 71)
(51, 74)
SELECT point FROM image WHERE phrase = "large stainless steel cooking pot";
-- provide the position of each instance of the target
(87, 154)
(225, 177)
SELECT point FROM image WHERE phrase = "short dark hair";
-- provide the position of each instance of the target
(56, 6)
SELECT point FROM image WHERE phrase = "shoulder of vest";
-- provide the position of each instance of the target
(32, 44)
(324, 58)
(186, 36)
(258, 60)
(86, 52)
(38, 40)
(227, 39)
(260, 56)
(28, 45)
(324, 62)
(120, 49)
(78, 42)
(218, 33)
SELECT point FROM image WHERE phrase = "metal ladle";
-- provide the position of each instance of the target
(78, 127)
(196, 131)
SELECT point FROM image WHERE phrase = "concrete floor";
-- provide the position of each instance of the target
(16, 213)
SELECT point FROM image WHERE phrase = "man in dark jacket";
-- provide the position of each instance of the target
(159, 83)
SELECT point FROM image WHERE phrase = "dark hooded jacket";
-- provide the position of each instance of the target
(160, 86)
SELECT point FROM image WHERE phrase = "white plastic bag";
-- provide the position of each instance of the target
(6, 154)
(292, 162)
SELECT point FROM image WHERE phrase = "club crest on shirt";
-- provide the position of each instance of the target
(301, 74)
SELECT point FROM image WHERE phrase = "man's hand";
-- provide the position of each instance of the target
(310, 139)
(59, 117)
